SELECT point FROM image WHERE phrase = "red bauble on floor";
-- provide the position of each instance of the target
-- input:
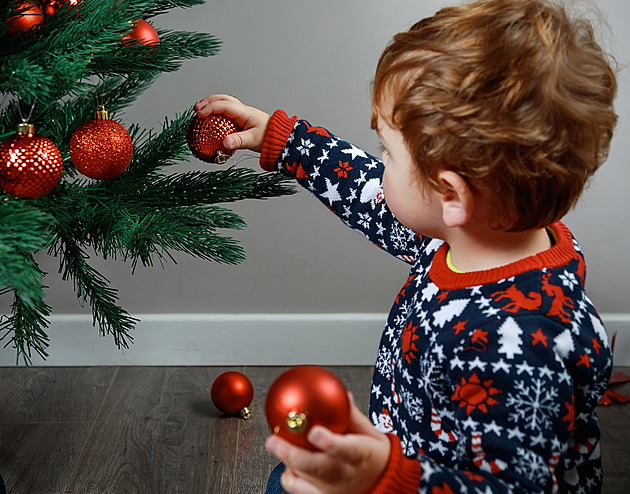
(232, 393)
(305, 396)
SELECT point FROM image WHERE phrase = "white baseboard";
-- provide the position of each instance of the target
(239, 339)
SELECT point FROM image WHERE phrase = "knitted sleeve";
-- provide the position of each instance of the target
(343, 177)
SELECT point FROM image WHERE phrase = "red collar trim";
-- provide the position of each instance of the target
(559, 255)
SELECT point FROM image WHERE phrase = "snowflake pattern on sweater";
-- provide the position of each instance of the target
(489, 379)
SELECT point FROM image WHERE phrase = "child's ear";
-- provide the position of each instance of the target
(457, 199)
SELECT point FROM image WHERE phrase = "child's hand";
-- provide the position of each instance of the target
(351, 462)
(253, 121)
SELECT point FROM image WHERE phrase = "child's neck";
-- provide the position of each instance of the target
(479, 251)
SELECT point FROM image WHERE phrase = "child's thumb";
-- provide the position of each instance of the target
(245, 139)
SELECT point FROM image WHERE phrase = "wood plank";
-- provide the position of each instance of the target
(158, 432)
(40, 458)
(254, 463)
(615, 422)
(52, 394)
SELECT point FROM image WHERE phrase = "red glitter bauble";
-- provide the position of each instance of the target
(101, 149)
(27, 17)
(232, 392)
(142, 32)
(30, 165)
(302, 397)
(205, 137)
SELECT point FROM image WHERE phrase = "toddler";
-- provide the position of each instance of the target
(492, 115)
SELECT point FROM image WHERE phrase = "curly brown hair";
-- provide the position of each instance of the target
(514, 95)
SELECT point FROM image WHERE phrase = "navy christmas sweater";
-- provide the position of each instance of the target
(485, 382)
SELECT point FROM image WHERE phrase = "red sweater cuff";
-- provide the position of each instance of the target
(401, 475)
(278, 131)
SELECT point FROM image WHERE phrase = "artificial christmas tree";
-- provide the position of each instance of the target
(55, 67)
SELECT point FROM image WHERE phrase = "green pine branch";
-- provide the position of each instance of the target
(94, 288)
(73, 60)
(23, 230)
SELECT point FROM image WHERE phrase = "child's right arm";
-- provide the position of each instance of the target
(343, 177)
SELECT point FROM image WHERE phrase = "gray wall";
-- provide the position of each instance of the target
(316, 60)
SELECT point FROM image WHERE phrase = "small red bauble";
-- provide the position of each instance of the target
(30, 164)
(232, 393)
(302, 397)
(27, 17)
(205, 137)
(50, 7)
(101, 148)
(142, 32)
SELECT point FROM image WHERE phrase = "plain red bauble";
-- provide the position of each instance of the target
(30, 165)
(50, 7)
(302, 397)
(232, 392)
(205, 137)
(142, 32)
(25, 19)
(101, 149)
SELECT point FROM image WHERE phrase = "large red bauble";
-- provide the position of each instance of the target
(30, 165)
(142, 32)
(205, 137)
(24, 19)
(302, 397)
(232, 392)
(101, 149)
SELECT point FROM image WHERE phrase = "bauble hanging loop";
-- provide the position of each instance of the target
(30, 164)
(205, 137)
(101, 148)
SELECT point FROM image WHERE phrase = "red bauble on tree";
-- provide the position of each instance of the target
(232, 393)
(142, 32)
(305, 396)
(101, 148)
(50, 7)
(30, 164)
(27, 16)
(205, 137)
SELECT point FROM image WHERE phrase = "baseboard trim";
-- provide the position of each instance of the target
(239, 339)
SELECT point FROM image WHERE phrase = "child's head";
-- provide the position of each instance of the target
(514, 95)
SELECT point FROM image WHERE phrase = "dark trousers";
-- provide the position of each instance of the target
(273, 484)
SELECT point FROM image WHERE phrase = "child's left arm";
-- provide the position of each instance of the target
(351, 462)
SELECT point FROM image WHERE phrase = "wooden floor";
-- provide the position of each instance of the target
(154, 430)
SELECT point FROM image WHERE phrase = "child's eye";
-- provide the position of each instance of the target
(384, 151)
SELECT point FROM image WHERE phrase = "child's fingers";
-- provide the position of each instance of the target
(228, 106)
(247, 139)
(298, 485)
(209, 100)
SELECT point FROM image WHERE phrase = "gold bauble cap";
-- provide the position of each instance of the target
(25, 128)
(101, 113)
